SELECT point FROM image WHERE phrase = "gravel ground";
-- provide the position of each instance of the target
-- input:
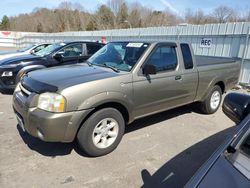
(164, 149)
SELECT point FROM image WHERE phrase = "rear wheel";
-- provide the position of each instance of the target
(101, 133)
(213, 101)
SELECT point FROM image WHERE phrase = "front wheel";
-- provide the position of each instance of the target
(101, 133)
(213, 101)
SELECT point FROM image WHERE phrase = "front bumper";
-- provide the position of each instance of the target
(7, 83)
(50, 127)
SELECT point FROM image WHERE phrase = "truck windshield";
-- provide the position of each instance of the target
(120, 55)
(49, 49)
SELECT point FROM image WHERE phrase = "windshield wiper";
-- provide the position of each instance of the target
(113, 68)
(107, 66)
(89, 64)
(103, 65)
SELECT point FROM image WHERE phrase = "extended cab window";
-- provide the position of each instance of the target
(72, 50)
(187, 56)
(163, 58)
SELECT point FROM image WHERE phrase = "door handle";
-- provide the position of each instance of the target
(178, 77)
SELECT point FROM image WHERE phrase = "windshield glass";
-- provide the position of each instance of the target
(120, 55)
(26, 48)
(49, 49)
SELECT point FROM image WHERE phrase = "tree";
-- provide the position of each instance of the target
(65, 5)
(116, 14)
(135, 16)
(224, 14)
(197, 17)
(91, 26)
(105, 17)
(39, 27)
(5, 24)
(122, 16)
(115, 5)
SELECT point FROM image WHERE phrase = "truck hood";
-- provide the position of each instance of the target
(64, 77)
(19, 59)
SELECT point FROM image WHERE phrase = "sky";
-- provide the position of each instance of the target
(15, 7)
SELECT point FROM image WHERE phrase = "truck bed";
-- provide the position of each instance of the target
(208, 60)
(215, 69)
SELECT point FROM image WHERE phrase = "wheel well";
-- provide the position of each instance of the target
(221, 85)
(117, 106)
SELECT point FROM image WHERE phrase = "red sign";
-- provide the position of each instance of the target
(104, 40)
(6, 33)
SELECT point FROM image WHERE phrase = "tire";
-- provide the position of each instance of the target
(212, 103)
(106, 123)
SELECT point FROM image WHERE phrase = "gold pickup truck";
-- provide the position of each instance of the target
(123, 81)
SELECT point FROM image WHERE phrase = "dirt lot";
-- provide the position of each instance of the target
(164, 149)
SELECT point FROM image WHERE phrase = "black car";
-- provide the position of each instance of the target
(57, 54)
(229, 166)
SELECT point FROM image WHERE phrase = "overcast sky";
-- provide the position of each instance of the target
(15, 7)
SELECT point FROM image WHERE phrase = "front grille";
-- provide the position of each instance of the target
(24, 90)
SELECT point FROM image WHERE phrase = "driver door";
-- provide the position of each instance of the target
(164, 90)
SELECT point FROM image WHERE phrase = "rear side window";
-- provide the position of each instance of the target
(93, 48)
(72, 50)
(163, 58)
(187, 56)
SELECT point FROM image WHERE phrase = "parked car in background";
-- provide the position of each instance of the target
(121, 82)
(229, 166)
(57, 54)
(33, 48)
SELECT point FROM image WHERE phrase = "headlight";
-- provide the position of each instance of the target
(7, 74)
(51, 102)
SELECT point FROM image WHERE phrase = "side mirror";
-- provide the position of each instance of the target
(149, 69)
(236, 106)
(32, 51)
(59, 56)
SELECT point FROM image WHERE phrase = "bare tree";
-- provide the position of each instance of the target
(70, 16)
(224, 14)
(134, 17)
(197, 17)
(115, 5)
(122, 16)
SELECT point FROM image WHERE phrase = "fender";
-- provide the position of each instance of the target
(108, 97)
(27, 69)
(210, 86)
